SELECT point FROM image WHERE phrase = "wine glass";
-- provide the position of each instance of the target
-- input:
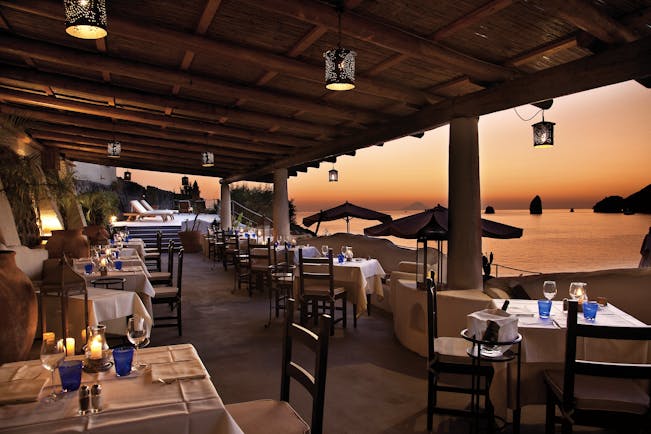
(52, 354)
(549, 289)
(578, 290)
(324, 250)
(137, 335)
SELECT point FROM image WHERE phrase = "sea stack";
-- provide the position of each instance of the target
(535, 207)
(489, 210)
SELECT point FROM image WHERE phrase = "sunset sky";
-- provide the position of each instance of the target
(603, 147)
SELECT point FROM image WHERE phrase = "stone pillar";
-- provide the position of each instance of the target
(225, 214)
(464, 221)
(280, 204)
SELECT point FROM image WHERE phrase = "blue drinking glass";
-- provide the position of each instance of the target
(118, 265)
(70, 373)
(340, 258)
(122, 357)
(590, 310)
(88, 268)
(544, 307)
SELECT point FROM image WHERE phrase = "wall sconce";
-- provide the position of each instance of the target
(333, 175)
(114, 148)
(86, 19)
(543, 133)
(207, 159)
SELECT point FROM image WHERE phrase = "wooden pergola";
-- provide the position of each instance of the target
(244, 79)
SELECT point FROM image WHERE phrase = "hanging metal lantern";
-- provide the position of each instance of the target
(340, 69)
(333, 175)
(127, 176)
(543, 134)
(114, 148)
(207, 159)
(185, 181)
(86, 19)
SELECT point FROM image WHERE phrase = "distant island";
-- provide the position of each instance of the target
(639, 202)
(489, 210)
(535, 207)
(420, 206)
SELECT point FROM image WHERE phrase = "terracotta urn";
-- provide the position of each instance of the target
(18, 310)
(97, 235)
(191, 241)
(71, 242)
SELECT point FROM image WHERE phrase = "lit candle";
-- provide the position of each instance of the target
(60, 345)
(102, 262)
(96, 348)
(83, 335)
(70, 346)
(108, 252)
(259, 233)
(48, 336)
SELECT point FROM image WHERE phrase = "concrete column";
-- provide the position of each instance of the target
(464, 239)
(280, 204)
(225, 214)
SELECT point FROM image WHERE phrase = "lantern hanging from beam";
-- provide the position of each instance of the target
(333, 175)
(340, 66)
(127, 176)
(86, 19)
(114, 148)
(543, 134)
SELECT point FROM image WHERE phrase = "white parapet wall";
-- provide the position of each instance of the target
(94, 172)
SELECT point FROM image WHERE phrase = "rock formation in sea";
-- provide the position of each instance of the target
(420, 206)
(535, 207)
(489, 210)
(638, 202)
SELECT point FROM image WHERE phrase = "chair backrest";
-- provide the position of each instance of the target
(159, 241)
(432, 332)
(137, 207)
(260, 255)
(170, 258)
(109, 282)
(179, 273)
(313, 383)
(280, 260)
(184, 206)
(315, 270)
(574, 366)
(146, 205)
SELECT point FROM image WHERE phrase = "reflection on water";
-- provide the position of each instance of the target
(555, 241)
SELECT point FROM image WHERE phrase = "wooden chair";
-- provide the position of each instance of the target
(165, 278)
(231, 248)
(317, 286)
(271, 416)
(171, 295)
(242, 265)
(260, 261)
(281, 280)
(154, 255)
(109, 282)
(450, 368)
(608, 395)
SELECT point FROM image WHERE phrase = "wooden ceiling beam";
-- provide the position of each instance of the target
(43, 101)
(255, 57)
(543, 50)
(388, 37)
(621, 63)
(584, 15)
(152, 147)
(207, 16)
(71, 121)
(14, 76)
(470, 19)
(95, 62)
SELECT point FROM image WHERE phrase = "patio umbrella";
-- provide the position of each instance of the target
(345, 211)
(432, 224)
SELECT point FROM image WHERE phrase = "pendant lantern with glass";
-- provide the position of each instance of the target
(114, 148)
(339, 66)
(543, 133)
(333, 174)
(207, 159)
(86, 19)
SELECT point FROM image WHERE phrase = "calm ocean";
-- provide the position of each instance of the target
(557, 240)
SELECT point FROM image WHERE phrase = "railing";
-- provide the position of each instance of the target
(498, 266)
(249, 217)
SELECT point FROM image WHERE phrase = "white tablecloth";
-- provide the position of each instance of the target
(543, 347)
(133, 404)
(137, 244)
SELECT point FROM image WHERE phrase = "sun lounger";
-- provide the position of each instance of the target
(141, 212)
(151, 208)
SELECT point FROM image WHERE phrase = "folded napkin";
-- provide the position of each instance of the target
(19, 391)
(167, 372)
(505, 326)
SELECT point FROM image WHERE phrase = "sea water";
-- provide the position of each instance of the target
(556, 241)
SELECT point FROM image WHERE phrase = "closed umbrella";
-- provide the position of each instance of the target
(345, 211)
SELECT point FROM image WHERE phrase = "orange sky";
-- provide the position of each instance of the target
(602, 148)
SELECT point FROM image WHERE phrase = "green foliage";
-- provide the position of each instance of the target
(99, 206)
(260, 200)
(61, 188)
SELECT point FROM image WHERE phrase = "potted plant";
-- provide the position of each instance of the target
(190, 237)
(98, 207)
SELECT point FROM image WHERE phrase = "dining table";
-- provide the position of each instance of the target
(173, 395)
(543, 347)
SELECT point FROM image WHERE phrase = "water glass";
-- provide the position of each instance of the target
(324, 250)
(549, 289)
(123, 356)
(88, 268)
(590, 310)
(70, 373)
(340, 258)
(118, 265)
(544, 308)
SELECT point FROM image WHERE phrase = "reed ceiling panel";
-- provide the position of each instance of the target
(177, 15)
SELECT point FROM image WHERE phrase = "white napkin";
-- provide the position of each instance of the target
(167, 372)
(477, 323)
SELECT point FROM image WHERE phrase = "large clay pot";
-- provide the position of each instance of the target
(97, 235)
(18, 310)
(71, 242)
(191, 241)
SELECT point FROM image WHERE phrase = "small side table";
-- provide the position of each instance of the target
(478, 352)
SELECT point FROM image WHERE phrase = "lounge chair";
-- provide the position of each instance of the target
(140, 211)
(151, 208)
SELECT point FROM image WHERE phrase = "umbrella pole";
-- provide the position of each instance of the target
(348, 224)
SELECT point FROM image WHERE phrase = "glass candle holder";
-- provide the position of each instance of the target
(97, 352)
